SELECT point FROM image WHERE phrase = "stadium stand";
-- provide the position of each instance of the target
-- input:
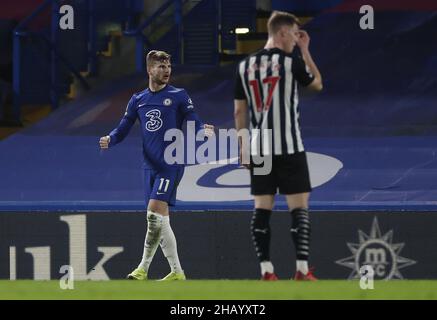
(371, 108)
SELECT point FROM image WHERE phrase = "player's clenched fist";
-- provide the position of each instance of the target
(209, 130)
(104, 142)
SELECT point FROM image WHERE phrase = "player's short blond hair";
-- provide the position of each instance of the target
(280, 18)
(155, 56)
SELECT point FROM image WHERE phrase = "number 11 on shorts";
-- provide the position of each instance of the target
(161, 184)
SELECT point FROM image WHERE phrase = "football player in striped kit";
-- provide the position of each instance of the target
(267, 88)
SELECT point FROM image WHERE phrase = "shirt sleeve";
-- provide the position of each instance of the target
(122, 130)
(187, 108)
(239, 93)
(301, 71)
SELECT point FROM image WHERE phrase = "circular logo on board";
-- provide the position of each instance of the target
(378, 251)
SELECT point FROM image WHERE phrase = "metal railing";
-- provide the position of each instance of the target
(55, 56)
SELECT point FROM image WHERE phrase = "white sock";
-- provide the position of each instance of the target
(302, 266)
(153, 235)
(169, 246)
(266, 266)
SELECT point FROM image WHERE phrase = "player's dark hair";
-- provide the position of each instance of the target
(157, 56)
(280, 18)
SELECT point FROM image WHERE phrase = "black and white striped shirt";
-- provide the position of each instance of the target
(268, 81)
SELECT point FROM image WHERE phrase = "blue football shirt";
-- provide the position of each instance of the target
(157, 112)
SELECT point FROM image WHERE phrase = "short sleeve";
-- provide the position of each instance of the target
(301, 71)
(239, 93)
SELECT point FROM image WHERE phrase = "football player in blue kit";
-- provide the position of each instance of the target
(159, 108)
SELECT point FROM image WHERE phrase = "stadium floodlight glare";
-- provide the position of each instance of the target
(241, 30)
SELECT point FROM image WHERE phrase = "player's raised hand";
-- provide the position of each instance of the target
(104, 142)
(304, 40)
(209, 130)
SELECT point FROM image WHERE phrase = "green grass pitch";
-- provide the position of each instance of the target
(219, 290)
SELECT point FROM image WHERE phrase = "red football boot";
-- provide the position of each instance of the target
(299, 276)
(269, 277)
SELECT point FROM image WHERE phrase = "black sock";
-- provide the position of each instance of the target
(260, 228)
(301, 232)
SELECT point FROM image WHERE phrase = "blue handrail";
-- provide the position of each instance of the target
(54, 96)
(16, 111)
(92, 37)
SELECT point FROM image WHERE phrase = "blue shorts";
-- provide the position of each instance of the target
(162, 185)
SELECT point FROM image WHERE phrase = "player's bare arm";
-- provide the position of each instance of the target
(303, 43)
(240, 114)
